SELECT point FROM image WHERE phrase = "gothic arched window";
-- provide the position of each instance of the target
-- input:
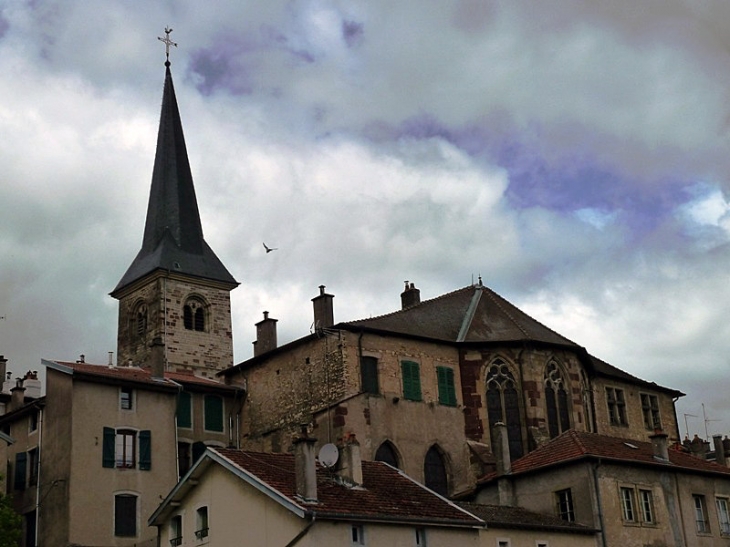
(194, 315)
(138, 321)
(556, 400)
(386, 453)
(503, 405)
(587, 398)
(434, 472)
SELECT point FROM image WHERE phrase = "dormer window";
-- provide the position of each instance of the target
(194, 315)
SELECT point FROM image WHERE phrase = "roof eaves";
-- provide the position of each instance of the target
(469, 315)
(57, 366)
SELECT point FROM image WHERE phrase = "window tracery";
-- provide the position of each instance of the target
(556, 400)
(503, 404)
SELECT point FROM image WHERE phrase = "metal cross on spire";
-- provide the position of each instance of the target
(166, 40)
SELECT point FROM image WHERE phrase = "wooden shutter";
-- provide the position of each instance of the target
(213, 413)
(447, 390)
(108, 447)
(411, 380)
(369, 374)
(125, 515)
(145, 450)
(184, 410)
(21, 464)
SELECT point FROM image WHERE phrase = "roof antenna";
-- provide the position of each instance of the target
(166, 40)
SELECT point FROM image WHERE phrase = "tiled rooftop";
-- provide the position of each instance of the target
(503, 516)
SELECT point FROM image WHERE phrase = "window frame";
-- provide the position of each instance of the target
(616, 402)
(357, 534)
(176, 530)
(135, 518)
(33, 466)
(126, 398)
(702, 520)
(627, 495)
(369, 380)
(202, 523)
(188, 424)
(128, 457)
(650, 411)
(723, 510)
(646, 506)
(421, 539)
(207, 413)
(33, 419)
(446, 385)
(565, 509)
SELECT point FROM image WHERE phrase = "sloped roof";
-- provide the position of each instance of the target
(505, 516)
(173, 235)
(472, 314)
(387, 494)
(573, 446)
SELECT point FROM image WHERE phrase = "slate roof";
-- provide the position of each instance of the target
(574, 446)
(136, 375)
(505, 516)
(387, 494)
(173, 235)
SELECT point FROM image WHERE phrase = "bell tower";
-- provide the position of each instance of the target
(176, 290)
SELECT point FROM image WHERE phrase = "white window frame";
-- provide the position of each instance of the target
(702, 521)
(357, 534)
(643, 501)
(199, 538)
(723, 515)
(420, 537)
(504, 542)
(132, 402)
(177, 539)
(627, 495)
(542, 543)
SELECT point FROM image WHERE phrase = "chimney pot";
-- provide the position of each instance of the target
(411, 296)
(265, 335)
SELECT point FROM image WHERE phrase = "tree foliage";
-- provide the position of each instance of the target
(10, 524)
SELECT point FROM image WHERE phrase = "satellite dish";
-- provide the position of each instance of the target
(328, 455)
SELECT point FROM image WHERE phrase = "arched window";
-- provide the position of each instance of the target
(587, 397)
(434, 471)
(138, 321)
(386, 453)
(556, 400)
(194, 315)
(503, 405)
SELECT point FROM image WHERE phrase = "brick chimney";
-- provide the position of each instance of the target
(265, 335)
(305, 466)
(411, 296)
(698, 447)
(324, 315)
(660, 446)
(349, 464)
(17, 395)
(157, 358)
(719, 450)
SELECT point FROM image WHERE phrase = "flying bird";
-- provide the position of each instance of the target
(269, 249)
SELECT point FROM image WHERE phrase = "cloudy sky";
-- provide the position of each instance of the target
(576, 155)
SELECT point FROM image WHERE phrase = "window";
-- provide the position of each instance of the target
(703, 524)
(30, 527)
(646, 499)
(411, 380)
(21, 465)
(434, 471)
(33, 467)
(616, 406)
(420, 537)
(176, 530)
(723, 516)
(184, 457)
(213, 413)
(357, 535)
(386, 453)
(650, 410)
(125, 515)
(119, 449)
(628, 504)
(503, 542)
(194, 315)
(369, 374)
(33, 421)
(201, 523)
(587, 398)
(125, 398)
(541, 543)
(447, 390)
(184, 410)
(140, 321)
(503, 405)
(556, 400)
(564, 502)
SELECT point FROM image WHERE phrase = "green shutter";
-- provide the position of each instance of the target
(213, 413)
(108, 447)
(145, 450)
(184, 410)
(447, 390)
(369, 374)
(411, 380)
(21, 460)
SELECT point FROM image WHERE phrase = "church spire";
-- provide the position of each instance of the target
(173, 235)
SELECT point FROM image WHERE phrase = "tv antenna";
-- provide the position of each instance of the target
(686, 428)
(707, 420)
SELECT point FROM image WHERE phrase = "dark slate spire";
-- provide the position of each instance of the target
(173, 236)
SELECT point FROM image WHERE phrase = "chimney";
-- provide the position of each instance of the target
(32, 384)
(111, 359)
(349, 464)
(305, 466)
(157, 358)
(660, 446)
(324, 315)
(500, 449)
(698, 447)
(265, 335)
(17, 395)
(719, 450)
(411, 296)
(3, 367)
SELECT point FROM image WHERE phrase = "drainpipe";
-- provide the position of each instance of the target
(598, 502)
(304, 531)
(38, 478)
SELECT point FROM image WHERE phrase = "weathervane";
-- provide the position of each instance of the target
(166, 40)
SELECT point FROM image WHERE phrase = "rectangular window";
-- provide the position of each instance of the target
(541, 543)
(176, 531)
(616, 406)
(628, 504)
(420, 537)
(650, 410)
(564, 502)
(33, 467)
(184, 410)
(503, 543)
(201, 522)
(703, 524)
(723, 516)
(125, 398)
(646, 499)
(447, 389)
(369, 374)
(124, 448)
(125, 515)
(21, 464)
(119, 449)
(357, 535)
(213, 413)
(411, 380)
(33, 422)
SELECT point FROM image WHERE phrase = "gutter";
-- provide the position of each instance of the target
(598, 502)
(303, 532)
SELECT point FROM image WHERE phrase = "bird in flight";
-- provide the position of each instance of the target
(269, 249)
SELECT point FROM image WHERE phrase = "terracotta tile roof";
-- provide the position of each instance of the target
(386, 494)
(577, 445)
(504, 516)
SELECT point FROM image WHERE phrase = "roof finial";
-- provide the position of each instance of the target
(166, 40)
